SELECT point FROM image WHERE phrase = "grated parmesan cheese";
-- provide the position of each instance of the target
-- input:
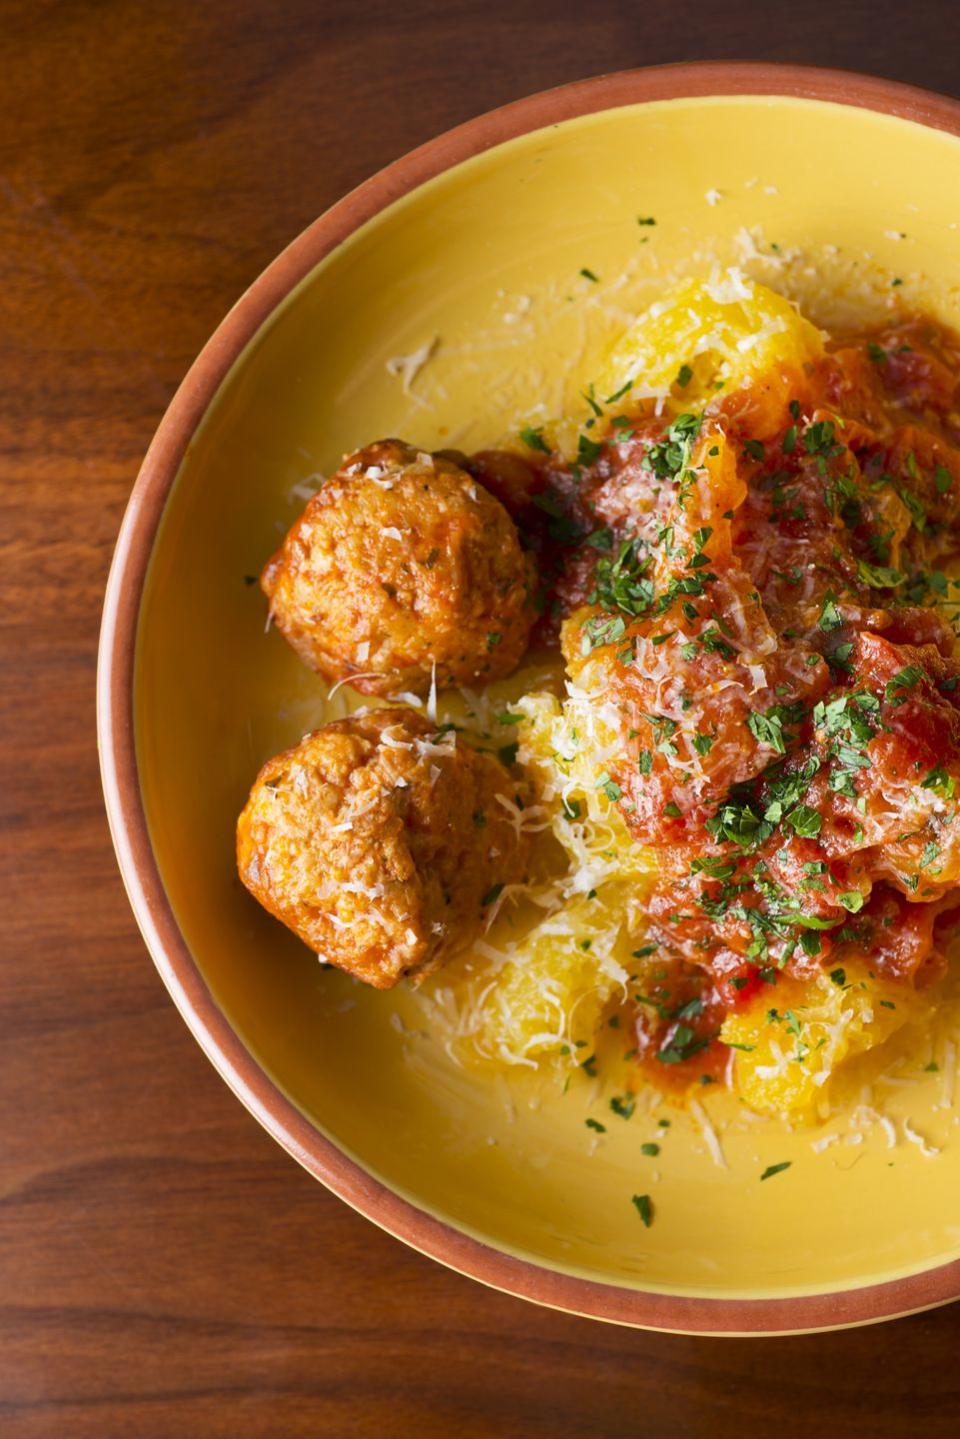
(408, 367)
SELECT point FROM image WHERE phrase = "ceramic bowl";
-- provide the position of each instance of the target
(443, 300)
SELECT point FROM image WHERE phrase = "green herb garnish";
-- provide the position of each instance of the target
(644, 1207)
(773, 1169)
(533, 439)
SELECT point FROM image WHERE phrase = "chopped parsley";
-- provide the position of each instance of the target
(830, 618)
(738, 824)
(623, 1105)
(669, 458)
(533, 439)
(773, 1169)
(849, 722)
(820, 438)
(906, 679)
(621, 583)
(599, 631)
(609, 787)
(588, 451)
(839, 657)
(916, 507)
(878, 577)
(852, 900)
(769, 729)
(644, 1207)
(683, 1044)
(589, 397)
(940, 782)
(805, 821)
(714, 644)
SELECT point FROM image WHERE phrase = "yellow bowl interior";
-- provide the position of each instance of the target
(479, 271)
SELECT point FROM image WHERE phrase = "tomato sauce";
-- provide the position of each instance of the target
(765, 613)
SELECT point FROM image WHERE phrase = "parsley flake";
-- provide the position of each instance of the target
(533, 439)
(773, 1169)
(623, 1105)
(644, 1207)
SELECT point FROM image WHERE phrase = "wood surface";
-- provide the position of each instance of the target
(165, 1270)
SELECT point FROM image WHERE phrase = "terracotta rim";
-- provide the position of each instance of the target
(124, 801)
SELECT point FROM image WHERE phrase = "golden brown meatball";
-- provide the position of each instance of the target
(400, 562)
(382, 843)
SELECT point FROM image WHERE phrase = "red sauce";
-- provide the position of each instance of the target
(769, 620)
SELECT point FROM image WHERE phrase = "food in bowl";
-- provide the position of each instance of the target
(724, 848)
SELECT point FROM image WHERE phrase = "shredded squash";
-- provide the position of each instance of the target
(720, 372)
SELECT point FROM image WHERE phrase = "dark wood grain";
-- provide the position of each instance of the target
(164, 1269)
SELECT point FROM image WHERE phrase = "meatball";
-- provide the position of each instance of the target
(402, 565)
(382, 843)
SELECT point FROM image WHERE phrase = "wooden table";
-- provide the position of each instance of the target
(165, 1270)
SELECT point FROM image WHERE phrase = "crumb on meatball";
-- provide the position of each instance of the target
(402, 566)
(382, 843)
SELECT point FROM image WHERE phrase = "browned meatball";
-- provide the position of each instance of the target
(400, 563)
(382, 843)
